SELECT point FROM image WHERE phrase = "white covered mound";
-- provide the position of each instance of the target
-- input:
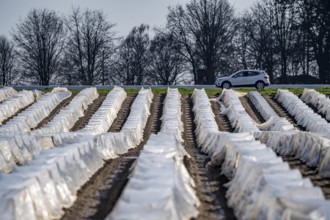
(261, 185)
(238, 117)
(6, 92)
(103, 118)
(12, 105)
(318, 100)
(33, 115)
(303, 114)
(68, 116)
(49, 182)
(160, 186)
(313, 149)
(273, 121)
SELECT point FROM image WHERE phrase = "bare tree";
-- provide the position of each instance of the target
(7, 61)
(132, 65)
(40, 39)
(284, 18)
(90, 45)
(206, 29)
(257, 45)
(167, 62)
(318, 30)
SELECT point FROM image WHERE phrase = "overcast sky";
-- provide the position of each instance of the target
(124, 13)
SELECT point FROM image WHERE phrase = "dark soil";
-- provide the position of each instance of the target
(123, 113)
(311, 173)
(92, 108)
(98, 196)
(209, 183)
(294, 163)
(282, 112)
(58, 108)
(21, 110)
(251, 110)
(316, 112)
(221, 119)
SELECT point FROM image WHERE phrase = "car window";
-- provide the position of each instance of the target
(236, 75)
(240, 74)
(253, 73)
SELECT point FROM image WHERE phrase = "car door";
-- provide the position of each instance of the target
(253, 77)
(234, 79)
(239, 78)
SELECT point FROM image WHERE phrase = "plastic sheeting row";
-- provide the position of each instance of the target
(236, 113)
(273, 121)
(12, 105)
(160, 186)
(68, 116)
(262, 186)
(48, 183)
(303, 114)
(318, 100)
(6, 92)
(137, 119)
(171, 118)
(20, 148)
(32, 116)
(111, 144)
(313, 149)
(103, 118)
(206, 126)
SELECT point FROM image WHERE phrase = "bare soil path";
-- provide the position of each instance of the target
(21, 110)
(251, 110)
(282, 112)
(306, 171)
(92, 108)
(311, 173)
(221, 119)
(123, 113)
(58, 108)
(98, 196)
(209, 182)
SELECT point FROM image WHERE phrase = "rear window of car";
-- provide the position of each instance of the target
(253, 73)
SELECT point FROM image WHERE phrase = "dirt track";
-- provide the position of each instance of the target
(58, 108)
(209, 182)
(308, 172)
(98, 196)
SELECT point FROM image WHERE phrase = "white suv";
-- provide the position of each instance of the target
(246, 78)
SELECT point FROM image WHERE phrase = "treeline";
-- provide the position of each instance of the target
(201, 40)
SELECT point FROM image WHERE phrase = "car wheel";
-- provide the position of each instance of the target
(226, 85)
(260, 85)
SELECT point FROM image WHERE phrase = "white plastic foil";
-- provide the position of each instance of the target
(68, 116)
(238, 117)
(318, 100)
(303, 114)
(40, 189)
(313, 149)
(6, 92)
(261, 185)
(160, 186)
(273, 121)
(12, 105)
(137, 119)
(171, 118)
(103, 118)
(32, 116)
